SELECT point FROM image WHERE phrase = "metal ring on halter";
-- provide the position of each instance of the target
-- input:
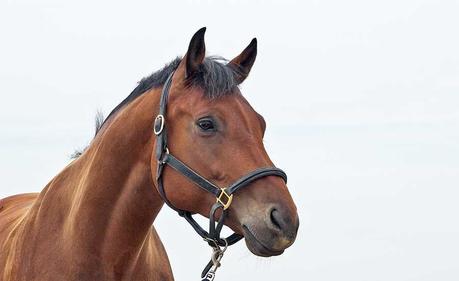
(163, 158)
(159, 124)
(214, 242)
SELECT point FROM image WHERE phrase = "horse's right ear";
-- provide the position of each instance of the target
(195, 54)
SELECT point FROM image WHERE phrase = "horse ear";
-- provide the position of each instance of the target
(244, 62)
(196, 52)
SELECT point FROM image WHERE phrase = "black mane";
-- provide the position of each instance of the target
(214, 77)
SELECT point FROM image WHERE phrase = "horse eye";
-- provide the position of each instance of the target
(206, 125)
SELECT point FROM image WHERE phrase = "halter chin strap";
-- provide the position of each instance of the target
(224, 196)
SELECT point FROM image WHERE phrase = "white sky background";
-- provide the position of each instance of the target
(361, 100)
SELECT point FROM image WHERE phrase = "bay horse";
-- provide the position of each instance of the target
(93, 221)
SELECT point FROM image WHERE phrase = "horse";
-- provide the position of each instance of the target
(94, 220)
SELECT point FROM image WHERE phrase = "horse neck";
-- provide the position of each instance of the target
(108, 194)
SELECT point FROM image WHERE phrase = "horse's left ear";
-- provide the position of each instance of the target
(244, 62)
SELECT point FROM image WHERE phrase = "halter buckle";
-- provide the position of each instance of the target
(225, 199)
(159, 124)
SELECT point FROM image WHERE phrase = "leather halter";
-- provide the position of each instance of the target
(224, 196)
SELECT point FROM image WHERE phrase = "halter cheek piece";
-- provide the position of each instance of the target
(224, 196)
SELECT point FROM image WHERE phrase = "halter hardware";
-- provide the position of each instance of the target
(158, 126)
(224, 196)
(225, 199)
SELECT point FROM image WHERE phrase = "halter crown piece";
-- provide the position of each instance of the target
(224, 196)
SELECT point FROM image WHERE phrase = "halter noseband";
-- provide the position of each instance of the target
(224, 196)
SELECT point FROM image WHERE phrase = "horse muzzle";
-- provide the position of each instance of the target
(273, 234)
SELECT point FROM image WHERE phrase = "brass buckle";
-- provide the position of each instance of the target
(225, 199)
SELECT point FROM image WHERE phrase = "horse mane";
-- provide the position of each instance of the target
(214, 76)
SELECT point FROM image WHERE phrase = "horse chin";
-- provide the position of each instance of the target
(258, 247)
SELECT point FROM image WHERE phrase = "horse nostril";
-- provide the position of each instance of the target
(282, 224)
(275, 217)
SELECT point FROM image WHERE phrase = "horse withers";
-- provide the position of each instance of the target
(93, 221)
